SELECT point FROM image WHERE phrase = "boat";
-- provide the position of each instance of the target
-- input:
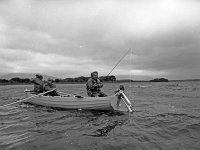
(68, 101)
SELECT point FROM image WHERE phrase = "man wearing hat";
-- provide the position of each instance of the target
(94, 86)
(38, 83)
(49, 85)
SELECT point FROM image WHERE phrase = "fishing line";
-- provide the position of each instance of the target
(131, 75)
(130, 82)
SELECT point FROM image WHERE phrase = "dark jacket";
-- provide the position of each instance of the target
(49, 86)
(94, 87)
(38, 85)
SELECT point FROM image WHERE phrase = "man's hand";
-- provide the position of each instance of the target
(100, 85)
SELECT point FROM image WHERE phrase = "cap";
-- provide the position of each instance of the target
(93, 73)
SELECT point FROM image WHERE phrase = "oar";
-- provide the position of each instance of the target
(28, 98)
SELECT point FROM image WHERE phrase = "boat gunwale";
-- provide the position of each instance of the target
(72, 98)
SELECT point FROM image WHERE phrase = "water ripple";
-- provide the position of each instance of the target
(167, 117)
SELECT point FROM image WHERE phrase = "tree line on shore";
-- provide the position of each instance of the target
(81, 79)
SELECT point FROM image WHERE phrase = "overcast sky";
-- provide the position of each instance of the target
(70, 38)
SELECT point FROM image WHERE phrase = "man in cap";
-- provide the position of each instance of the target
(94, 86)
(38, 84)
(49, 85)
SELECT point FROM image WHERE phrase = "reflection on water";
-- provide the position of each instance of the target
(167, 117)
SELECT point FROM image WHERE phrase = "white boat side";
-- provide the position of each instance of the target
(85, 103)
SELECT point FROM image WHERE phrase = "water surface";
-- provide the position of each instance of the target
(166, 117)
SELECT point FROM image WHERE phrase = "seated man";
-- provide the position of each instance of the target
(49, 85)
(94, 86)
(38, 84)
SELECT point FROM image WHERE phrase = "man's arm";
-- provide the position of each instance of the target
(90, 84)
(100, 84)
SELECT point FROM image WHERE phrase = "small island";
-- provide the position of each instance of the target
(159, 80)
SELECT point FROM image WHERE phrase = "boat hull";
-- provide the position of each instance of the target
(85, 103)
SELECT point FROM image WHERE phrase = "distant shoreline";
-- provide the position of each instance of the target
(117, 81)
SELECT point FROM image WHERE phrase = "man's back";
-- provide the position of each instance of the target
(38, 85)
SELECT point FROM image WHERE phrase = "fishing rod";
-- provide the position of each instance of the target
(118, 62)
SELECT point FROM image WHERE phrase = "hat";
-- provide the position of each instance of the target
(93, 73)
(37, 75)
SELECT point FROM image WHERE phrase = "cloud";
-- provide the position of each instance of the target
(32, 62)
(70, 38)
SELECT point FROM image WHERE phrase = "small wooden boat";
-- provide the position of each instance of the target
(76, 102)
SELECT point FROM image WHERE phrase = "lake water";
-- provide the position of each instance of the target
(166, 117)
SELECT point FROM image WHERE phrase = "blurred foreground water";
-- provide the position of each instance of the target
(166, 117)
